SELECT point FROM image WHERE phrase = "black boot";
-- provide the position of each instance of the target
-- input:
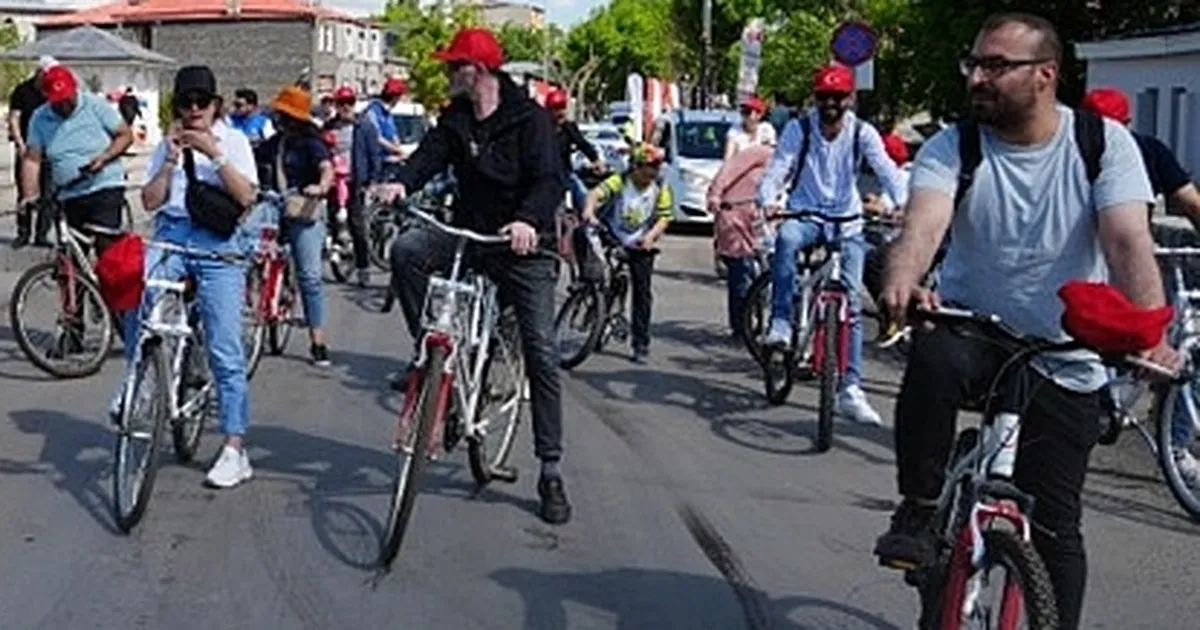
(23, 231)
(42, 227)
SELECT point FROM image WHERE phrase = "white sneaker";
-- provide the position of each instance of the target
(1189, 468)
(852, 403)
(779, 335)
(231, 468)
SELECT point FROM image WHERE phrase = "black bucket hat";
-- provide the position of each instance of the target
(195, 79)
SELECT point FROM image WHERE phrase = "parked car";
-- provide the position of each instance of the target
(694, 141)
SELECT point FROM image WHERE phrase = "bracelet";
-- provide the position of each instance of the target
(220, 162)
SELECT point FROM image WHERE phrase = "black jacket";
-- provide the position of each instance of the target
(570, 138)
(507, 165)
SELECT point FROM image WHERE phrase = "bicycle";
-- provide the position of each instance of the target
(169, 379)
(338, 251)
(981, 517)
(595, 307)
(272, 292)
(72, 272)
(468, 380)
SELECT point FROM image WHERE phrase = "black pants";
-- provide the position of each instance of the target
(1059, 427)
(527, 283)
(25, 216)
(641, 269)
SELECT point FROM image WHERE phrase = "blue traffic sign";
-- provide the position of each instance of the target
(853, 43)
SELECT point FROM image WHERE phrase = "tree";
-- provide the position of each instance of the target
(11, 72)
(627, 36)
(419, 32)
(524, 43)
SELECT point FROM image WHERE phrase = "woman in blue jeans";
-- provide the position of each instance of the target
(307, 170)
(223, 158)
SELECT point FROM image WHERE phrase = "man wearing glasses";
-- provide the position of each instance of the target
(1033, 218)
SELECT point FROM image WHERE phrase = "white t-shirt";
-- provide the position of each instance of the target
(737, 134)
(233, 145)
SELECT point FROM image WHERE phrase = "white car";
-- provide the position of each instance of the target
(607, 140)
(694, 141)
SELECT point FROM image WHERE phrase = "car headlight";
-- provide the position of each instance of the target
(695, 179)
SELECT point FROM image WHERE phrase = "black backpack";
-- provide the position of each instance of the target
(1089, 138)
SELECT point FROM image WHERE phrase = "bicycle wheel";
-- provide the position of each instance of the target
(144, 411)
(254, 331)
(70, 353)
(1169, 408)
(279, 332)
(381, 231)
(412, 457)
(582, 313)
(756, 315)
(501, 399)
(197, 398)
(1027, 591)
(826, 343)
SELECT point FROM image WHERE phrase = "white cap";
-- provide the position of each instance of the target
(46, 62)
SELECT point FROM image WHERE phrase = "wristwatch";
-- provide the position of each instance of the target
(219, 162)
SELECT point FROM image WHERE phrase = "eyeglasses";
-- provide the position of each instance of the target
(344, 103)
(995, 66)
(836, 97)
(187, 101)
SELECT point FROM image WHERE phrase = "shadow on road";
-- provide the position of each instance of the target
(645, 598)
(11, 355)
(76, 457)
(707, 277)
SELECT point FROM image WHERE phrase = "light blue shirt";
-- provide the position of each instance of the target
(1029, 225)
(71, 143)
(829, 182)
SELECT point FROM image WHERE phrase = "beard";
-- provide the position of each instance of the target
(831, 113)
(1003, 111)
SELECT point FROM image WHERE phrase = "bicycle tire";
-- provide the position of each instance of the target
(485, 469)
(253, 329)
(186, 431)
(1020, 559)
(830, 330)
(151, 356)
(1165, 400)
(755, 315)
(411, 467)
(279, 332)
(90, 292)
(777, 374)
(382, 231)
(579, 297)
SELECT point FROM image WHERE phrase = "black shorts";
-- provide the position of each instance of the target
(101, 208)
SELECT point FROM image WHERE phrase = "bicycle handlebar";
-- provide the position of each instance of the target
(485, 239)
(807, 214)
(196, 252)
(1169, 252)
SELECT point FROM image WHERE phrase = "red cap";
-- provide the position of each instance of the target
(755, 104)
(556, 99)
(346, 93)
(833, 79)
(1109, 103)
(473, 45)
(59, 84)
(394, 86)
(895, 148)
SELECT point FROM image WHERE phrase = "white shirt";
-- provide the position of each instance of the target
(233, 145)
(764, 134)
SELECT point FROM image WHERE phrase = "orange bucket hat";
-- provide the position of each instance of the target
(295, 102)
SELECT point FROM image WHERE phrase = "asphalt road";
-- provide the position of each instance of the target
(696, 506)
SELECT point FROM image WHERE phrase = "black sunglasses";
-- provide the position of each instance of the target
(995, 65)
(186, 101)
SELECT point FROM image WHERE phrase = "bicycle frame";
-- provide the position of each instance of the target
(270, 262)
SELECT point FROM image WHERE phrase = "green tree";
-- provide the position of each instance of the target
(626, 36)
(11, 72)
(524, 43)
(421, 31)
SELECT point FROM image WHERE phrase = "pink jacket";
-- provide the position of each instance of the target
(738, 229)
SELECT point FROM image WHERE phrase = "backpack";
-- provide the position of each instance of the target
(1089, 138)
(805, 129)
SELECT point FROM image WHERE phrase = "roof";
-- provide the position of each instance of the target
(30, 6)
(1179, 39)
(141, 11)
(87, 43)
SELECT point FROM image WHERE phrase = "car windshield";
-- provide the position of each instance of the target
(410, 128)
(702, 140)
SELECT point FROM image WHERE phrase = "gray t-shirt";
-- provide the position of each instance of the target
(1028, 226)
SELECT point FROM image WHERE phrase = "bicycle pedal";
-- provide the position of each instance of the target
(506, 474)
(899, 564)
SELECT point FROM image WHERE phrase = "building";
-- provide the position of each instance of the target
(497, 13)
(259, 44)
(24, 13)
(1160, 73)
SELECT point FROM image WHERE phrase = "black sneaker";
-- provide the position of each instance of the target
(909, 543)
(555, 509)
(21, 241)
(640, 355)
(320, 355)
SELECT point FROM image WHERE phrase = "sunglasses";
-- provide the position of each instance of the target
(344, 103)
(995, 66)
(825, 97)
(187, 101)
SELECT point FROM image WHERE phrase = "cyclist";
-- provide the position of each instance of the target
(74, 131)
(638, 209)
(223, 158)
(739, 229)
(1030, 222)
(306, 168)
(379, 110)
(502, 147)
(753, 131)
(356, 139)
(247, 118)
(825, 180)
(569, 139)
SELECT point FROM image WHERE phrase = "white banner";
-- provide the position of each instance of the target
(751, 59)
(633, 93)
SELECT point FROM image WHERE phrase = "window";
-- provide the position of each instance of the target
(375, 52)
(1176, 122)
(702, 140)
(360, 45)
(1147, 111)
(326, 38)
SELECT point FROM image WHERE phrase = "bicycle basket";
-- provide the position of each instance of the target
(1100, 316)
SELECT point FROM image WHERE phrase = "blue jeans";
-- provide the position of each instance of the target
(579, 192)
(795, 236)
(307, 239)
(220, 291)
(741, 274)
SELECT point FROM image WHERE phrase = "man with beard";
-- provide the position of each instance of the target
(504, 152)
(1030, 222)
(816, 164)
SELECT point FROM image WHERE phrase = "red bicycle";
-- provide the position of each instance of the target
(271, 293)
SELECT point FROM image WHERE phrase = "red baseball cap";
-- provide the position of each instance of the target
(895, 148)
(59, 84)
(1109, 103)
(346, 93)
(473, 45)
(394, 86)
(833, 79)
(755, 104)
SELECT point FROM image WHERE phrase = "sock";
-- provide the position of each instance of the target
(550, 468)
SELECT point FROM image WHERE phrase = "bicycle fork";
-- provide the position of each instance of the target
(831, 303)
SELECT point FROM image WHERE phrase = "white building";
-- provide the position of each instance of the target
(1160, 73)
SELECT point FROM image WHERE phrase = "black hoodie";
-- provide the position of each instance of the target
(507, 165)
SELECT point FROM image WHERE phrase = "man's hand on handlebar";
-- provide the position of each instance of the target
(898, 298)
(389, 193)
(772, 212)
(524, 237)
(1163, 355)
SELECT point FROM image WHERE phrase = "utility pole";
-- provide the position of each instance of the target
(705, 49)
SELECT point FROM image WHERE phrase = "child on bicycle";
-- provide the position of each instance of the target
(637, 208)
